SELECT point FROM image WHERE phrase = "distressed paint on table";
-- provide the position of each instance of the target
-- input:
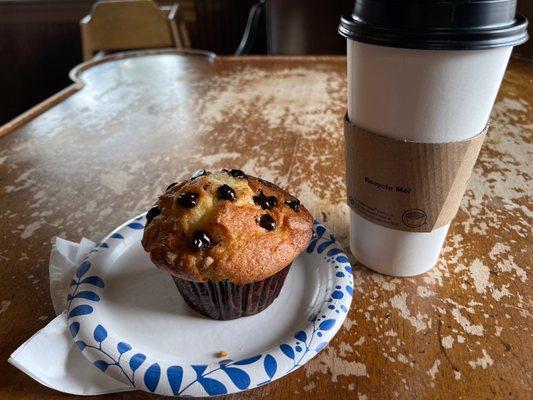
(461, 330)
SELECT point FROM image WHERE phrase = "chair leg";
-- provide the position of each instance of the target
(178, 44)
(172, 17)
(86, 48)
(185, 35)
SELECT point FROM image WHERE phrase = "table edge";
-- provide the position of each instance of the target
(76, 72)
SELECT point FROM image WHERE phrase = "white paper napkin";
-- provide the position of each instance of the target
(50, 356)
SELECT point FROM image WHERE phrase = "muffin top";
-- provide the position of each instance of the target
(226, 225)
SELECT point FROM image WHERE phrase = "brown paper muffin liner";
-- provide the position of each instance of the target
(224, 300)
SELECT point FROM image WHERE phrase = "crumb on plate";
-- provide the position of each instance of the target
(221, 354)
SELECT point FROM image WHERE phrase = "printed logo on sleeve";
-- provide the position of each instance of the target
(414, 218)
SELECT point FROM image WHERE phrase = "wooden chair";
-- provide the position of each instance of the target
(116, 25)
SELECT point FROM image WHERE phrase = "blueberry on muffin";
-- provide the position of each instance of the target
(228, 240)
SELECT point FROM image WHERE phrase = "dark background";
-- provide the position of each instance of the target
(40, 42)
(40, 39)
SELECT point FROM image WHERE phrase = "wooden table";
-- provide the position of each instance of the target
(134, 123)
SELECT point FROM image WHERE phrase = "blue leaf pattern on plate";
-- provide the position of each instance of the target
(212, 386)
(80, 344)
(74, 329)
(84, 309)
(320, 230)
(270, 365)
(349, 289)
(247, 361)
(239, 378)
(101, 365)
(311, 246)
(151, 377)
(224, 376)
(136, 361)
(326, 325)
(199, 369)
(123, 347)
(334, 252)
(100, 334)
(83, 268)
(301, 336)
(136, 225)
(323, 246)
(287, 350)
(93, 280)
(175, 376)
(87, 295)
(320, 346)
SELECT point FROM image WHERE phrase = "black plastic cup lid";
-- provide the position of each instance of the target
(435, 24)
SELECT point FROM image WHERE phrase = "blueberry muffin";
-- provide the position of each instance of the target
(228, 240)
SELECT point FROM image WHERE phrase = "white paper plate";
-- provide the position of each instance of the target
(128, 318)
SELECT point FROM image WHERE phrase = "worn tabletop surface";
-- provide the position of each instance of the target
(98, 157)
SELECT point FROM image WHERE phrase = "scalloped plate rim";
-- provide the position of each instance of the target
(275, 352)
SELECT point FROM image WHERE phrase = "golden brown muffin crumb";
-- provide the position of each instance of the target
(226, 225)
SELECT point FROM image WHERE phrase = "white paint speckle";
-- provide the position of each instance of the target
(465, 323)
(360, 341)
(480, 273)
(509, 265)
(117, 181)
(403, 359)
(385, 283)
(359, 369)
(483, 362)
(434, 369)
(447, 342)
(345, 348)
(399, 302)
(336, 366)
(30, 229)
(497, 294)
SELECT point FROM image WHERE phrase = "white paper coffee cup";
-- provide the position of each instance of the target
(428, 96)
(404, 83)
(423, 95)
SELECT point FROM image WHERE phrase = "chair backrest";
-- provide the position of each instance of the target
(125, 24)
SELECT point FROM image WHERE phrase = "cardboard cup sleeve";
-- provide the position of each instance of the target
(407, 186)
